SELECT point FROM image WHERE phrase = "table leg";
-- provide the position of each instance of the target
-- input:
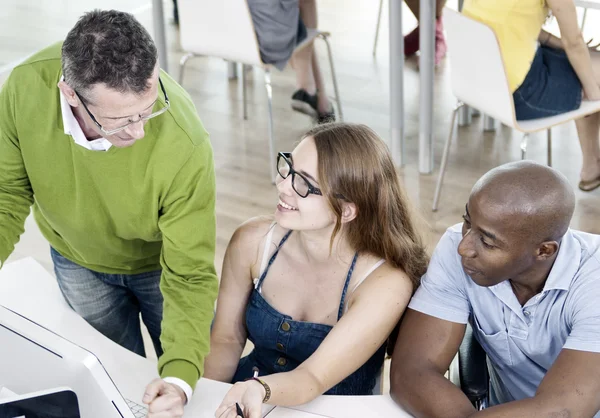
(396, 82)
(427, 47)
(158, 16)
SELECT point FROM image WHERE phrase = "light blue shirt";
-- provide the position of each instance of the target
(521, 342)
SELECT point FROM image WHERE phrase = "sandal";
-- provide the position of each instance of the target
(589, 185)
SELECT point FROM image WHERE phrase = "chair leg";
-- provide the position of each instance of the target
(377, 27)
(550, 147)
(524, 146)
(244, 97)
(584, 18)
(271, 138)
(440, 180)
(334, 77)
(182, 63)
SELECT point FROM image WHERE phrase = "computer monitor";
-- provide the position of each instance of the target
(33, 358)
(53, 403)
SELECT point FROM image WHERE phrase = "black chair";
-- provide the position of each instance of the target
(473, 376)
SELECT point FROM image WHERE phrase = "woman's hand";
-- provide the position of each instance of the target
(592, 46)
(592, 95)
(249, 395)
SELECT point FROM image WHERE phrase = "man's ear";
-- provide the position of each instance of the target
(349, 212)
(547, 249)
(69, 93)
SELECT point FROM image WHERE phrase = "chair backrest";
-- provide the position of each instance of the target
(472, 363)
(218, 28)
(477, 69)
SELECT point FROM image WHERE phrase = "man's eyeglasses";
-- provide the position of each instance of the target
(299, 183)
(109, 132)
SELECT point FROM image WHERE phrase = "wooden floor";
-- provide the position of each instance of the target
(243, 186)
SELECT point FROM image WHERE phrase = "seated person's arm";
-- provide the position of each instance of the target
(574, 45)
(430, 335)
(425, 348)
(374, 310)
(228, 334)
(571, 388)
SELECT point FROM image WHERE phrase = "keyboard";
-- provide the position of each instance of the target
(139, 411)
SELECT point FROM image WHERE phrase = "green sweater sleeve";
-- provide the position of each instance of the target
(16, 196)
(189, 282)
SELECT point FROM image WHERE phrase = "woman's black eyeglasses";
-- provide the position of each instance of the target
(300, 184)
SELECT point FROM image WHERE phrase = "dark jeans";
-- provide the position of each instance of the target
(112, 303)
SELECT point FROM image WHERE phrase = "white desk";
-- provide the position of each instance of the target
(28, 289)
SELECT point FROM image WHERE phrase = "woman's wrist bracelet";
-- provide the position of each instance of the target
(264, 385)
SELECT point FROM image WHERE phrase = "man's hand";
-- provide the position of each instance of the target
(164, 400)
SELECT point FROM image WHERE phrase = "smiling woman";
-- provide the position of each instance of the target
(319, 288)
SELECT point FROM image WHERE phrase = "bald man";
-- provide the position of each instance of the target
(530, 288)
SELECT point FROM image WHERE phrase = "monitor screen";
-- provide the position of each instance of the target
(62, 404)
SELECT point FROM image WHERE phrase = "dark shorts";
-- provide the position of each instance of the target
(550, 88)
(302, 33)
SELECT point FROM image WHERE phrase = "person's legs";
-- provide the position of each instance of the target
(102, 301)
(146, 288)
(588, 130)
(415, 7)
(306, 64)
(411, 41)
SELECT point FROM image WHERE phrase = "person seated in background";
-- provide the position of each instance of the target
(528, 285)
(412, 42)
(547, 75)
(280, 27)
(319, 288)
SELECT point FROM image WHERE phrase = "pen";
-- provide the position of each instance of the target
(238, 410)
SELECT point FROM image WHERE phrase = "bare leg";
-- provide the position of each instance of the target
(305, 62)
(414, 6)
(588, 130)
(595, 57)
(302, 59)
(302, 63)
(322, 101)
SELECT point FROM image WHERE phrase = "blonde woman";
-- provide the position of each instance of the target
(547, 75)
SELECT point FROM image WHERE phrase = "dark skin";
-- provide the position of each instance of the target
(514, 221)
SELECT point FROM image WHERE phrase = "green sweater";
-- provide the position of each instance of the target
(122, 211)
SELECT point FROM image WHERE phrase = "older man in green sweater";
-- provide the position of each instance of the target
(118, 167)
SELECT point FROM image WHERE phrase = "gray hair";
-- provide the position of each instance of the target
(108, 47)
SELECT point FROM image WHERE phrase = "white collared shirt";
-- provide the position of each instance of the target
(73, 129)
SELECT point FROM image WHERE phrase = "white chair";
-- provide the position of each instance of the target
(224, 29)
(479, 80)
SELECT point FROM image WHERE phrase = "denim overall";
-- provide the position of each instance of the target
(281, 344)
